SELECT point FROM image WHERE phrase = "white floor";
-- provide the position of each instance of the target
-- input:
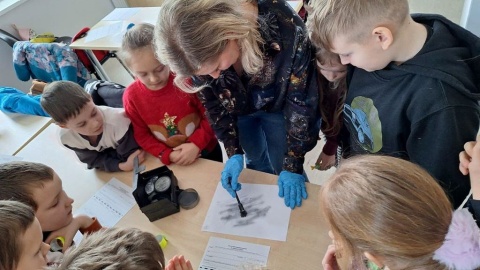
(451, 9)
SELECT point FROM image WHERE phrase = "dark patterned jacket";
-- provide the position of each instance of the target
(287, 83)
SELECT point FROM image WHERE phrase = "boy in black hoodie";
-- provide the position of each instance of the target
(413, 83)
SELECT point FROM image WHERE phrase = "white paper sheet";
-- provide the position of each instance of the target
(8, 158)
(267, 217)
(225, 254)
(109, 204)
(105, 31)
(121, 14)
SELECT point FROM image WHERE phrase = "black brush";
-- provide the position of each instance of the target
(243, 213)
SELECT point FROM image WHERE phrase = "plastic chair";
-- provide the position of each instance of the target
(8, 38)
(101, 55)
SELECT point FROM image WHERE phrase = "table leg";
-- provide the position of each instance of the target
(97, 65)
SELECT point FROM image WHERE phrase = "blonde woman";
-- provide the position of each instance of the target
(254, 68)
(395, 215)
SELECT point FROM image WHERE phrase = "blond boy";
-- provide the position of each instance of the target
(21, 246)
(38, 186)
(413, 83)
(102, 137)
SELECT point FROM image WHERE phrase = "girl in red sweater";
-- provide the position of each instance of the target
(167, 122)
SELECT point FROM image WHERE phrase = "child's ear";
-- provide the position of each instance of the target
(383, 36)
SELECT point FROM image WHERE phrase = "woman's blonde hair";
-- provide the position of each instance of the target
(191, 33)
(388, 207)
(353, 18)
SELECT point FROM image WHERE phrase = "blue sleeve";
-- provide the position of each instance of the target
(15, 101)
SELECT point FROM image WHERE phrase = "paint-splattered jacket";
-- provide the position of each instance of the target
(286, 83)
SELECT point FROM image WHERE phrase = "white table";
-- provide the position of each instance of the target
(16, 130)
(307, 238)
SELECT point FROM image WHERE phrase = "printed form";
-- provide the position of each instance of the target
(109, 204)
(225, 254)
(111, 30)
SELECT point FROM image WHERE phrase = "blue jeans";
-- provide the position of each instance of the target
(263, 138)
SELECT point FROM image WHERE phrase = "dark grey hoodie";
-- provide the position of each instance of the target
(423, 110)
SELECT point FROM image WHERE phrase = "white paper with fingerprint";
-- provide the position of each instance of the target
(267, 217)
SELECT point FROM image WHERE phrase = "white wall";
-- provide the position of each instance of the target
(471, 16)
(452, 9)
(61, 17)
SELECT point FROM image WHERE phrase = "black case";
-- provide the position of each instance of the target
(167, 201)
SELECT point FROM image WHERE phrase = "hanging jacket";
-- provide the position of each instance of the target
(48, 62)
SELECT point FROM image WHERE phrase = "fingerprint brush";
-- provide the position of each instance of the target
(243, 212)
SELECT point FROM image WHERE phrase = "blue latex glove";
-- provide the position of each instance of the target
(231, 171)
(291, 187)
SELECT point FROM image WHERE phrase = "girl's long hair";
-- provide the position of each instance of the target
(331, 112)
(388, 207)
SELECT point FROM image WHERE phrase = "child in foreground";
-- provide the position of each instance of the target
(38, 186)
(167, 122)
(102, 137)
(394, 214)
(21, 245)
(119, 249)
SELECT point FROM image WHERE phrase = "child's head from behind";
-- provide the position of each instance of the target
(21, 243)
(115, 248)
(389, 208)
(38, 186)
(139, 54)
(71, 107)
(217, 34)
(329, 65)
(359, 31)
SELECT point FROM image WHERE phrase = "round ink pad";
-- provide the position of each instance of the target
(188, 198)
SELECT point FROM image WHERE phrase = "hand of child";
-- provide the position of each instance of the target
(178, 263)
(68, 232)
(174, 156)
(189, 152)
(329, 261)
(325, 162)
(128, 164)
